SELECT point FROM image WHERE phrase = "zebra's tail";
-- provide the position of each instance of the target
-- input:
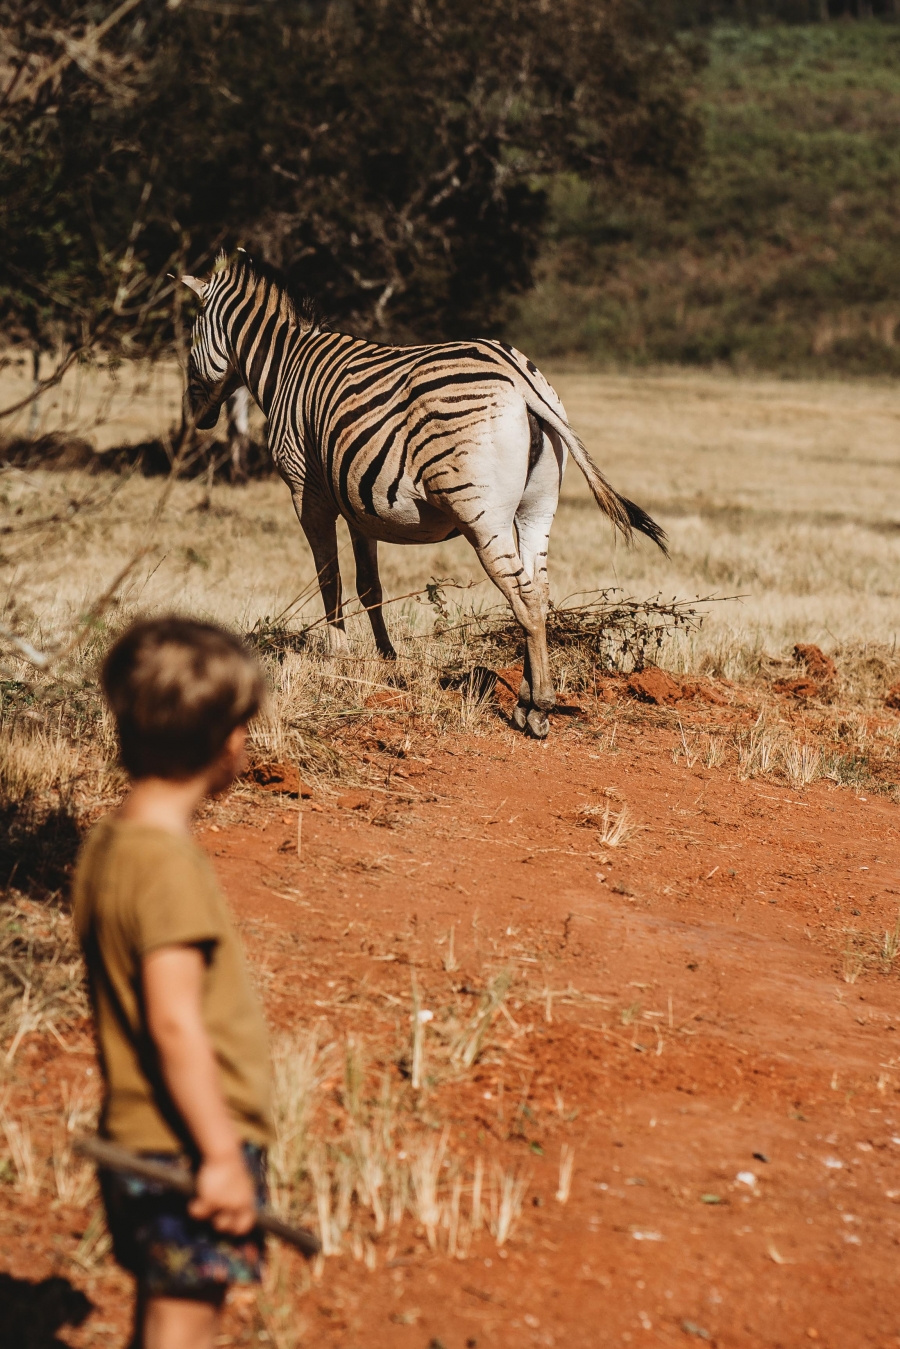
(625, 515)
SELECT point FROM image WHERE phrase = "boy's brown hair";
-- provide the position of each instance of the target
(177, 689)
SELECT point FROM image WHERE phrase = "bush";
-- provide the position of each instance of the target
(786, 253)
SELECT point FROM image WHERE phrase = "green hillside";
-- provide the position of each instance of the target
(786, 255)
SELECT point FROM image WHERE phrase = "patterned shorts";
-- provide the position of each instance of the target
(170, 1253)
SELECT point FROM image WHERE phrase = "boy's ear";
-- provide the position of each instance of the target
(197, 286)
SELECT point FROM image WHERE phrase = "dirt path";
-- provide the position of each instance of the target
(678, 1017)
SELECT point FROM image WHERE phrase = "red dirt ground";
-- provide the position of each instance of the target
(718, 931)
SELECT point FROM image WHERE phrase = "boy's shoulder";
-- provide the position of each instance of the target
(116, 841)
(123, 863)
(149, 881)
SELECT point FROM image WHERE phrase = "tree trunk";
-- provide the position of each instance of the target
(821, 10)
(864, 9)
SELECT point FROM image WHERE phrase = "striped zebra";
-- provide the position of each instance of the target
(237, 422)
(408, 444)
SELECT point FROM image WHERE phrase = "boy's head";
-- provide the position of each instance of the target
(178, 689)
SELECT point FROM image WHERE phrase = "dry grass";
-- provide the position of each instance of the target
(566, 1167)
(862, 952)
(359, 1176)
(507, 1196)
(21, 1151)
(107, 406)
(41, 973)
(616, 827)
(34, 761)
(466, 1044)
(800, 746)
(781, 492)
(354, 1156)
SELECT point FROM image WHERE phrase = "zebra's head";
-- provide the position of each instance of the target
(212, 370)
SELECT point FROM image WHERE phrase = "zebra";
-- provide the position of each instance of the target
(409, 444)
(237, 421)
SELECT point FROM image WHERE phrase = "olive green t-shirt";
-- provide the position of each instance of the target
(138, 888)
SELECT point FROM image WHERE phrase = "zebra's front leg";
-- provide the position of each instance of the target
(368, 589)
(320, 529)
(237, 412)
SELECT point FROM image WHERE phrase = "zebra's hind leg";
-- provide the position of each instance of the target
(503, 564)
(523, 706)
(533, 522)
(319, 526)
(368, 589)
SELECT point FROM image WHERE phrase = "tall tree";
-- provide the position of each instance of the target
(390, 155)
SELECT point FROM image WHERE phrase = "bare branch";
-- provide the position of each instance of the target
(43, 384)
(76, 50)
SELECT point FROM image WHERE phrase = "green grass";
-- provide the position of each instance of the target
(785, 255)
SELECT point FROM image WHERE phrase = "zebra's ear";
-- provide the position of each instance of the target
(192, 283)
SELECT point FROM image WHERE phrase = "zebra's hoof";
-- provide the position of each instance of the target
(520, 716)
(537, 724)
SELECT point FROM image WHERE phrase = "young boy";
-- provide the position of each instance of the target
(181, 1036)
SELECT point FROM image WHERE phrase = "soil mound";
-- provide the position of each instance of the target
(654, 686)
(818, 666)
(278, 777)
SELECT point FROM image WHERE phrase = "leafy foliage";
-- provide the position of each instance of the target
(785, 255)
(388, 156)
(691, 12)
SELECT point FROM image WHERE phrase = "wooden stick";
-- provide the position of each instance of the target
(181, 1181)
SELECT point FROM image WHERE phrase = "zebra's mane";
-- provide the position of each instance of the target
(305, 308)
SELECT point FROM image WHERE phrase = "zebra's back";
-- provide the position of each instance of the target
(392, 431)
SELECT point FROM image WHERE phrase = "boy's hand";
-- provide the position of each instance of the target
(225, 1194)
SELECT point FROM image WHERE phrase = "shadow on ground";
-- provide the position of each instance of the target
(32, 1313)
(151, 458)
(37, 847)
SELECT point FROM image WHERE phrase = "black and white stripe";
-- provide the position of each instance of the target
(408, 444)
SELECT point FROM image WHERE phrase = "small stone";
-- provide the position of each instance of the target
(691, 1328)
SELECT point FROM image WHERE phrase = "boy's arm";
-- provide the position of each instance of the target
(173, 981)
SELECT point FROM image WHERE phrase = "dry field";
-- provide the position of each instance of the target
(582, 1043)
(785, 494)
